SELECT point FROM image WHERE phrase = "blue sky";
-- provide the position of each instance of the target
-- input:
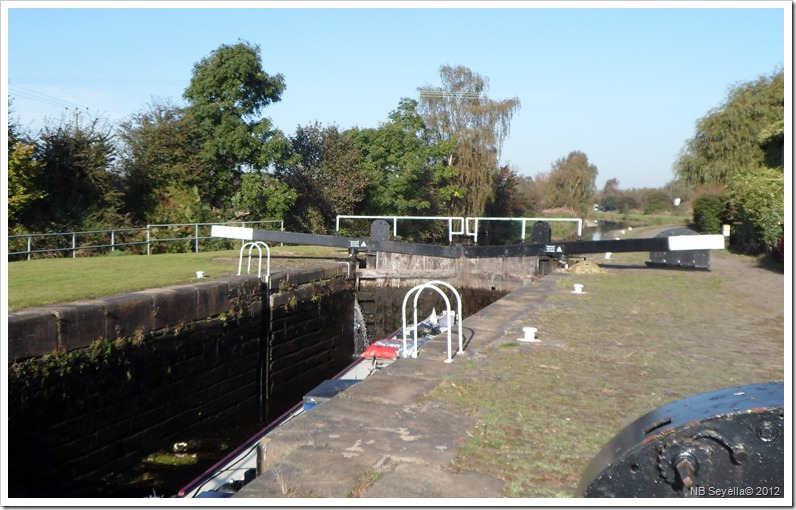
(624, 85)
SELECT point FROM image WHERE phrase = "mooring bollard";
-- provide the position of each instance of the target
(578, 288)
(530, 335)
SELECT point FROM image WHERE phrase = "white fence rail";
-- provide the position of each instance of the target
(111, 240)
(449, 219)
(463, 223)
(476, 220)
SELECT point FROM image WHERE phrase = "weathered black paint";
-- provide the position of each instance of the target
(725, 443)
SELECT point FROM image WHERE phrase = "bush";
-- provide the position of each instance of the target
(610, 202)
(657, 201)
(758, 206)
(709, 212)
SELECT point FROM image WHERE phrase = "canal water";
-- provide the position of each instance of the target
(596, 233)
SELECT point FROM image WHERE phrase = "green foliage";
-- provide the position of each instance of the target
(571, 184)
(400, 162)
(657, 201)
(772, 141)
(733, 146)
(76, 178)
(179, 204)
(324, 169)
(461, 112)
(262, 197)
(161, 150)
(507, 202)
(758, 198)
(23, 170)
(610, 202)
(710, 212)
(406, 170)
(228, 91)
(728, 139)
(42, 370)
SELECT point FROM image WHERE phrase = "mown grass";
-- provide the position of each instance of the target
(638, 219)
(47, 281)
(636, 340)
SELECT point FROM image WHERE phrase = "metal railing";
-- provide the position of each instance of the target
(449, 219)
(477, 220)
(101, 241)
(464, 223)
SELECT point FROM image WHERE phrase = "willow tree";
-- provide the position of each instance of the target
(727, 139)
(460, 111)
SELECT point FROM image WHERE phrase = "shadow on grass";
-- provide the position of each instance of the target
(775, 266)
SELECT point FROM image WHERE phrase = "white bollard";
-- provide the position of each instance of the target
(607, 255)
(578, 288)
(200, 274)
(530, 335)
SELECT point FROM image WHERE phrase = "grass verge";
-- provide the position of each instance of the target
(46, 281)
(634, 341)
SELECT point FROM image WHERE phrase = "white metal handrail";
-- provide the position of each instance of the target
(476, 220)
(259, 245)
(449, 219)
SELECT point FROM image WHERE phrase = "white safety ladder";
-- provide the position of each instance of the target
(417, 290)
(259, 245)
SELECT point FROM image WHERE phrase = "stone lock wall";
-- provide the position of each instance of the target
(495, 273)
(312, 339)
(96, 385)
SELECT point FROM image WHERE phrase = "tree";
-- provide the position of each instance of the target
(611, 186)
(571, 183)
(460, 111)
(161, 150)
(610, 202)
(710, 210)
(262, 197)
(529, 196)
(507, 202)
(228, 91)
(23, 170)
(727, 139)
(772, 141)
(81, 190)
(406, 174)
(323, 168)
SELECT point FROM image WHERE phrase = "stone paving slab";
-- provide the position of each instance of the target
(433, 482)
(311, 471)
